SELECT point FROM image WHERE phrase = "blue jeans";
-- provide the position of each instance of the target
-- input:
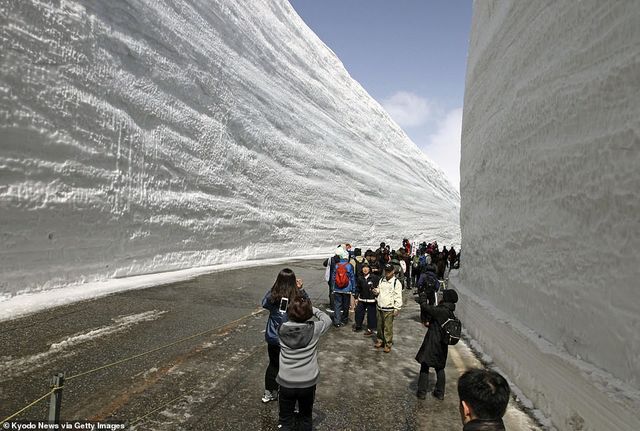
(341, 303)
(368, 308)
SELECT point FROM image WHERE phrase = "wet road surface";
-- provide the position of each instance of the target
(214, 380)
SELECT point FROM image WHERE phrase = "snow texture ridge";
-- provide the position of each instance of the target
(550, 190)
(145, 136)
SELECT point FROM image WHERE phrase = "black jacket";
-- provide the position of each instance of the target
(484, 425)
(433, 352)
(364, 286)
(376, 269)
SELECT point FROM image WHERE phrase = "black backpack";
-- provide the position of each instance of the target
(451, 330)
(432, 283)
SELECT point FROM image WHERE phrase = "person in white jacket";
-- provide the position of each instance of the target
(389, 302)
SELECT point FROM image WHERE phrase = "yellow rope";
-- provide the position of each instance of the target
(159, 408)
(30, 405)
(255, 350)
(161, 347)
(67, 379)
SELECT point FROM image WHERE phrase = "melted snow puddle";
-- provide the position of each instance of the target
(61, 349)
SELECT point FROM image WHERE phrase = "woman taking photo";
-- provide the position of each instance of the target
(299, 370)
(276, 301)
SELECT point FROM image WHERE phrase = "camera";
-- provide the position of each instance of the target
(284, 303)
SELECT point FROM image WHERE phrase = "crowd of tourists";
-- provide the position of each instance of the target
(371, 285)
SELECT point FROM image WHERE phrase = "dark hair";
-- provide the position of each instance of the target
(300, 309)
(486, 392)
(450, 296)
(284, 286)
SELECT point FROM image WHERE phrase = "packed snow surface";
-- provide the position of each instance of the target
(18, 366)
(140, 136)
(550, 194)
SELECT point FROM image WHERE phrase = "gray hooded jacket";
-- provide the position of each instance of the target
(299, 351)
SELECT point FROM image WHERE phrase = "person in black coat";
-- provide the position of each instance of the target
(366, 300)
(433, 352)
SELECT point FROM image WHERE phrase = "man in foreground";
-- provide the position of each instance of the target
(484, 396)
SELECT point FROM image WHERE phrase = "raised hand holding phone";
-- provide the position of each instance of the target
(284, 303)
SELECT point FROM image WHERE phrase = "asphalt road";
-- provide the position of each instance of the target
(214, 380)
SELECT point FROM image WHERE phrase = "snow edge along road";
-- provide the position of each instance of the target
(29, 303)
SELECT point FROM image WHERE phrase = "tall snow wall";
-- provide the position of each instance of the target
(550, 204)
(148, 135)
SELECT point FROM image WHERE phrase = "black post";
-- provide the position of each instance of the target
(56, 398)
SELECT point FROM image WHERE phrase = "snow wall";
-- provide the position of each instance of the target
(142, 135)
(550, 198)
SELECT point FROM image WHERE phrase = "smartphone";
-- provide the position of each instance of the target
(284, 303)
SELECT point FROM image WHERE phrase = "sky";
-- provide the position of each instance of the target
(410, 55)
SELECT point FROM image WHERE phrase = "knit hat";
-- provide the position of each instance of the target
(450, 295)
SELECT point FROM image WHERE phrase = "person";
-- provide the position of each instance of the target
(380, 251)
(339, 251)
(429, 283)
(433, 351)
(374, 263)
(330, 264)
(344, 284)
(365, 300)
(452, 257)
(441, 265)
(275, 300)
(389, 302)
(356, 261)
(402, 262)
(299, 371)
(408, 270)
(456, 263)
(484, 396)
(416, 269)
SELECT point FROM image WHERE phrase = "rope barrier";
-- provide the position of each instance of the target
(159, 408)
(112, 364)
(255, 350)
(139, 419)
(30, 405)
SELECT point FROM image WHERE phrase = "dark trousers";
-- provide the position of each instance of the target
(270, 375)
(415, 274)
(342, 301)
(287, 401)
(368, 308)
(408, 273)
(431, 299)
(423, 380)
(330, 296)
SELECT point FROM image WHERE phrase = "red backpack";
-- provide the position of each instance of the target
(342, 275)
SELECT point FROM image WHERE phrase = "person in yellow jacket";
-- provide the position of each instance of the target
(389, 301)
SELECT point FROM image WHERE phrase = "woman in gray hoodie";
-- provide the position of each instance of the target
(298, 373)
